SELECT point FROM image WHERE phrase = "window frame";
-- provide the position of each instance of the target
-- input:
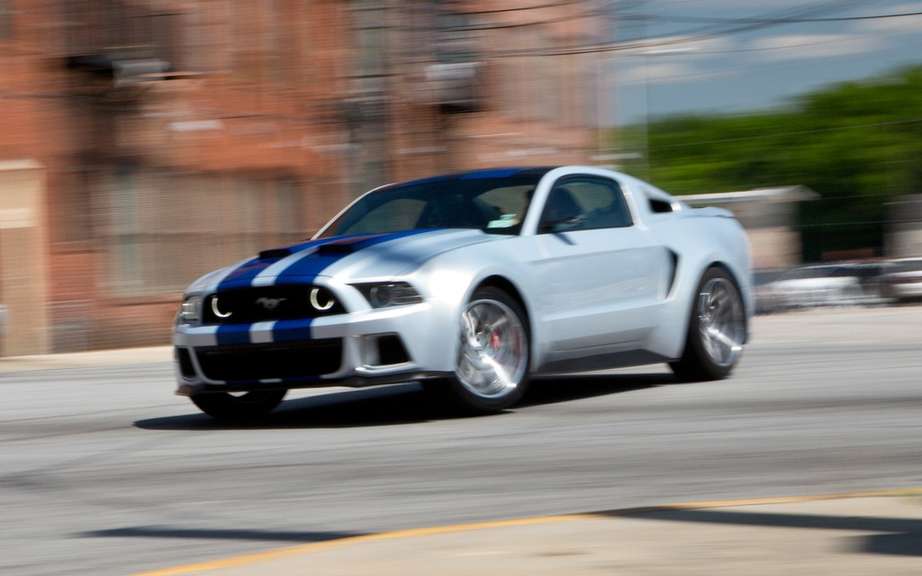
(619, 189)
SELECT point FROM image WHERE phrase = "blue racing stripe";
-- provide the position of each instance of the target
(312, 265)
(292, 330)
(243, 275)
(230, 334)
(303, 271)
(295, 248)
(491, 173)
(309, 267)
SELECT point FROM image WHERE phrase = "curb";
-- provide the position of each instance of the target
(274, 553)
(96, 358)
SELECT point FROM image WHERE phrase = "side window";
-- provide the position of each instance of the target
(505, 207)
(584, 203)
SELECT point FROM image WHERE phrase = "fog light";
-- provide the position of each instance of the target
(383, 350)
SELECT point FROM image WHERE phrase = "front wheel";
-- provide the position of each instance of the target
(246, 406)
(716, 330)
(491, 370)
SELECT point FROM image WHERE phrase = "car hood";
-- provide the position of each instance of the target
(349, 258)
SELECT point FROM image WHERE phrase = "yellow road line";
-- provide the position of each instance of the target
(770, 500)
(274, 553)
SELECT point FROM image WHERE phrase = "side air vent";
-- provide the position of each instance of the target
(659, 206)
(674, 262)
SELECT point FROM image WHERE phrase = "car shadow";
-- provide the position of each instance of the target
(219, 534)
(405, 404)
(892, 536)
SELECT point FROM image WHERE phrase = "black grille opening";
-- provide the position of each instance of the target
(253, 362)
(391, 350)
(185, 363)
(265, 303)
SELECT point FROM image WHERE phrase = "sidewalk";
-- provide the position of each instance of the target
(860, 534)
(99, 358)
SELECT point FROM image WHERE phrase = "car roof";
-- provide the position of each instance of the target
(485, 173)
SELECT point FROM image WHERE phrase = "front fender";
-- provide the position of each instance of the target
(449, 281)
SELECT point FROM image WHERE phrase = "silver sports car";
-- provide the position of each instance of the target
(471, 284)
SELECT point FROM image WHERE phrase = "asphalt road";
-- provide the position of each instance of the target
(103, 471)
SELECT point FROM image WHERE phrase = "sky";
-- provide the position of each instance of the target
(757, 69)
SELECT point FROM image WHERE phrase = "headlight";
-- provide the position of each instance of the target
(321, 299)
(387, 294)
(189, 313)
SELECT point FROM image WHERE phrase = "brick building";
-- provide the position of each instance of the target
(164, 138)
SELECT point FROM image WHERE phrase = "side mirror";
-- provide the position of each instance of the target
(562, 224)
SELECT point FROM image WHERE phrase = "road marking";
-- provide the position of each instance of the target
(274, 553)
(243, 559)
(697, 505)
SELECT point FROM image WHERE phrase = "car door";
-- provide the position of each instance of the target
(601, 274)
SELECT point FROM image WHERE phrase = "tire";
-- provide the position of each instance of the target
(507, 348)
(224, 406)
(716, 329)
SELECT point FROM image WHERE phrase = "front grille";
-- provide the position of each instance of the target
(257, 304)
(253, 362)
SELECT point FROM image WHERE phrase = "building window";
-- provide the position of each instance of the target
(167, 228)
(6, 20)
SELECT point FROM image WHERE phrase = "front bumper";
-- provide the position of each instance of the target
(335, 350)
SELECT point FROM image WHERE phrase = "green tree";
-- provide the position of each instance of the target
(858, 145)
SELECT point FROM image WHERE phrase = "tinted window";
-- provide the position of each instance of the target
(584, 203)
(400, 214)
(495, 205)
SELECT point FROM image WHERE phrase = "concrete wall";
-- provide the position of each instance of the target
(904, 238)
(23, 258)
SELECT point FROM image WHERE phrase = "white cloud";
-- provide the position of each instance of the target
(680, 45)
(665, 73)
(802, 46)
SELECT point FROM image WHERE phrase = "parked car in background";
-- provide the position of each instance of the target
(847, 284)
(902, 281)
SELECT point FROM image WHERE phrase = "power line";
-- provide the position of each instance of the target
(519, 9)
(648, 17)
(835, 40)
(697, 34)
(707, 19)
(604, 11)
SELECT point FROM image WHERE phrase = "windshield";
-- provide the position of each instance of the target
(495, 205)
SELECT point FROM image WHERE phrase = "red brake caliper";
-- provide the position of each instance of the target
(495, 340)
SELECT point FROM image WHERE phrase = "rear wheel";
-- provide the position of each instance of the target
(716, 330)
(491, 371)
(246, 406)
